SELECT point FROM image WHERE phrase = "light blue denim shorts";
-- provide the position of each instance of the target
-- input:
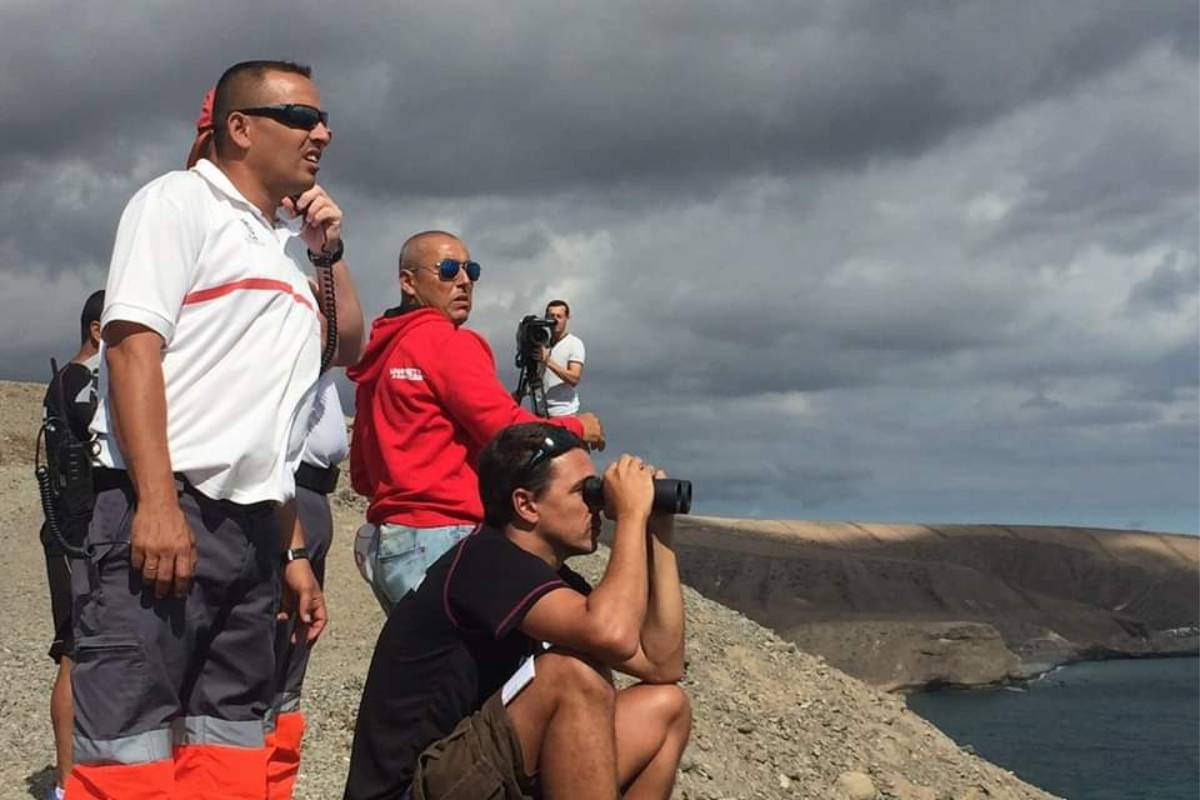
(393, 559)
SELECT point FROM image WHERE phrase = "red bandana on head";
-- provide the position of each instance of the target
(204, 129)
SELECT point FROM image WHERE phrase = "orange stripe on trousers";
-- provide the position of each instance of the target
(210, 770)
(152, 781)
(283, 755)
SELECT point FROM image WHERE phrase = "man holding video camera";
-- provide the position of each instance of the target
(494, 681)
(428, 401)
(563, 361)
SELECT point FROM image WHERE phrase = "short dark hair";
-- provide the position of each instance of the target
(554, 303)
(93, 309)
(502, 466)
(236, 86)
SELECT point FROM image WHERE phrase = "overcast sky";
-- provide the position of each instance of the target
(892, 261)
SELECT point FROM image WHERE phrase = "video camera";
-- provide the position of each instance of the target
(533, 333)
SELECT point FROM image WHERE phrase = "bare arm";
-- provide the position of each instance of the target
(291, 534)
(302, 594)
(607, 623)
(660, 658)
(162, 547)
(572, 373)
(465, 381)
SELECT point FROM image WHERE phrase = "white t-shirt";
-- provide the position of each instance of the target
(327, 443)
(204, 268)
(561, 397)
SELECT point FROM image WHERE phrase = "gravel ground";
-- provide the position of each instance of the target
(770, 722)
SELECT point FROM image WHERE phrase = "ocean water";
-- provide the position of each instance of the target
(1110, 730)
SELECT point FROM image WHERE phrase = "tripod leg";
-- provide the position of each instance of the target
(537, 395)
(522, 388)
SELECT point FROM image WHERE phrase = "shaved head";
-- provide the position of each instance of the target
(423, 247)
(422, 286)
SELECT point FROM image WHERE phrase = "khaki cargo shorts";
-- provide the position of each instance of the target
(480, 760)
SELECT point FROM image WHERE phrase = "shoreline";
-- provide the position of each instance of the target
(914, 608)
(1037, 674)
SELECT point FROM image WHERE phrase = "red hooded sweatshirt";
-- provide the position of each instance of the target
(428, 401)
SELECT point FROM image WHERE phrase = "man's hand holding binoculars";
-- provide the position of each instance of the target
(628, 489)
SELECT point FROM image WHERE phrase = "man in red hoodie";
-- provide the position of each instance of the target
(428, 401)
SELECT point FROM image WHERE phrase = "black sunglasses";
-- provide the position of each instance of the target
(447, 269)
(294, 115)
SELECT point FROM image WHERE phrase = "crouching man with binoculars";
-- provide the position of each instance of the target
(492, 678)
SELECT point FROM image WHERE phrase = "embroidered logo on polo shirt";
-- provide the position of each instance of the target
(406, 374)
(251, 234)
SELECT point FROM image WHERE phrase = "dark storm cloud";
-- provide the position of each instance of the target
(539, 96)
(1170, 285)
(921, 260)
(627, 93)
(1167, 376)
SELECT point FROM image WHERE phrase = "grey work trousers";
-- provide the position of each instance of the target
(151, 674)
(291, 660)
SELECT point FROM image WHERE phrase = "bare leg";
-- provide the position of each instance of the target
(564, 719)
(653, 723)
(62, 718)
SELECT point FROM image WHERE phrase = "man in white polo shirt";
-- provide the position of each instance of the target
(211, 355)
(324, 448)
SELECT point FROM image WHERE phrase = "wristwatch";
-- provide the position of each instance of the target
(327, 259)
(294, 554)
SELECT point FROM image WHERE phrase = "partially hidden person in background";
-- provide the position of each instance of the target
(68, 407)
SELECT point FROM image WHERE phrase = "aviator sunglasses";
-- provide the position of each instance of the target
(294, 115)
(447, 269)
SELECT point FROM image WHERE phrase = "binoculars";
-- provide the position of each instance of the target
(671, 496)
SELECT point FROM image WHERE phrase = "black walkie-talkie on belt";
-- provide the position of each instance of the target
(65, 480)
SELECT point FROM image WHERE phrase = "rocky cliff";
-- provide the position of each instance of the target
(914, 605)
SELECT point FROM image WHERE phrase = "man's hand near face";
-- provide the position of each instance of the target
(322, 219)
(322, 233)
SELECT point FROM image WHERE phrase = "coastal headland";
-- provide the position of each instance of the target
(916, 606)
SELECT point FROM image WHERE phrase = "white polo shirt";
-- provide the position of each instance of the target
(562, 399)
(326, 444)
(204, 268)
